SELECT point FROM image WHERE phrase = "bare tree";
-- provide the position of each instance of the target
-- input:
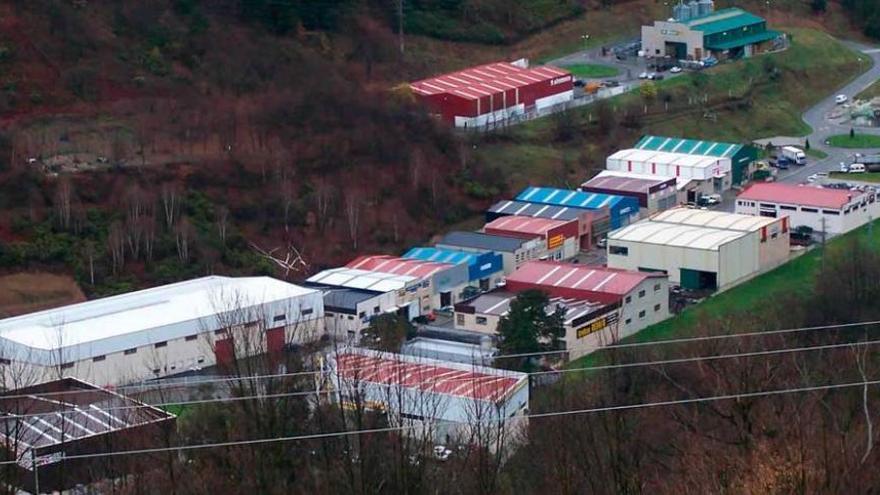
(170, 203)
(63, 198)
(352, 217)
(183, 236)
(222, 214)
(116, 245)
(288, 259)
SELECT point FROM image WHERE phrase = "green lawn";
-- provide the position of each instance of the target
(794, 277)
(857, 141)
(593, 71)
(870, 92)
(865, 177)
(812, 152)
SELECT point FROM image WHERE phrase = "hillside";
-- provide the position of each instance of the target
(192, 136)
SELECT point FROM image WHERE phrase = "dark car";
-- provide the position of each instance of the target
(580, 83)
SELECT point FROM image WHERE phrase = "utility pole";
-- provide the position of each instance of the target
(823, 243)
(400, 24)
(36, 471)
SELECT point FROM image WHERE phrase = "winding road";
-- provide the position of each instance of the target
(823, 128)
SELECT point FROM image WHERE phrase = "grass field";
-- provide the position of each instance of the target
(27, 292)
(857, 141)
(592, 70)
(865, 177)
(814, 153)
(761, 96)
(870, 92)
(794, 277)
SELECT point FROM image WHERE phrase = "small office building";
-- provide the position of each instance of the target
(653, 192)
(592, 224)
(514, 251)
(560, 238)
(695, 34)
(485, 270)
(588, 324)
(412, 296)
(446, 280)
(833, 211)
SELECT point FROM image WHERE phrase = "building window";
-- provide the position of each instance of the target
(161, 344)
(222, 331)
(5, 361)
(350, 317)
(362, 315)
(375, 310)
(809, 210)
(459, 319)
(642, 313)
(98, 359)
(329, 314)
(790, 208)
(628, 299)
(831, 212)
(641, 294)
(130, 351)
(307, 312)
(201, 360)
(628, 321)
(190, 338)
(656, 308)
(619, 250)
(481, 320)
(279, 318)
(66, 366)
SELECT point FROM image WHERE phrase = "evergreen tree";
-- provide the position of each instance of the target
(530, 325)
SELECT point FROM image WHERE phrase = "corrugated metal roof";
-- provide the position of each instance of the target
(524, 225)
(714, 219)
(116, 319)
(723, 20)
(526, 209)
(428, 375)
(602, 279)
(629, 184)
(688, 236)
(567, 197)
(398, 266)
(777, 192)
(485, 80)
(442, 255)
(688, 146)
(497, 303)
(362, 279)
(746, 40)
(479, 240)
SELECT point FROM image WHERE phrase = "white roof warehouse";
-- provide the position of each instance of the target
(155, 332)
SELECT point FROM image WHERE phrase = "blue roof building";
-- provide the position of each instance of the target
(622, 209)
(480, 265)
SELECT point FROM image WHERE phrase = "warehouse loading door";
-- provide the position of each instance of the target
(678, 51)
(445, 299)
(275, 340)
(224, 352)
(698, 280)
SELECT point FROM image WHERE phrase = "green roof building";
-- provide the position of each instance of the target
(726, 33)
(740, 156)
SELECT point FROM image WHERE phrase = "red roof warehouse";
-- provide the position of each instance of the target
(820, 197)
(553, 231)
(468, 97)
(592, 283)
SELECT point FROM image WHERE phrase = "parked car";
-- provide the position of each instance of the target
(656, 77)
(643, 75)
(819, 175)
(652, 76)
(841, 99)
(675, 70)
(843, 167)
(602, 243)
(611, 83)
(579, 83)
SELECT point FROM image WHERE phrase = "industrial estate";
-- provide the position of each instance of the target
(429, 338)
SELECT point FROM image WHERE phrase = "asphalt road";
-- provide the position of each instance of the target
(815, 117)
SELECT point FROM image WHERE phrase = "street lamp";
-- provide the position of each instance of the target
(586, 38)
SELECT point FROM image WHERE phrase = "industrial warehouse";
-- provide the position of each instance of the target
(653, 193)
(622, 209)
(699, 167)
(442, 396)
(701, 249)
(822, 209)
(696, 32)
(592, 224)
(162, 331)
(493, 93)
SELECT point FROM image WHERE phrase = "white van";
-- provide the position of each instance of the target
(856, 168)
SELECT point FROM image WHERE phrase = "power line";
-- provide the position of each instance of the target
(628, 345)
(302, 393)
(623, 407)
